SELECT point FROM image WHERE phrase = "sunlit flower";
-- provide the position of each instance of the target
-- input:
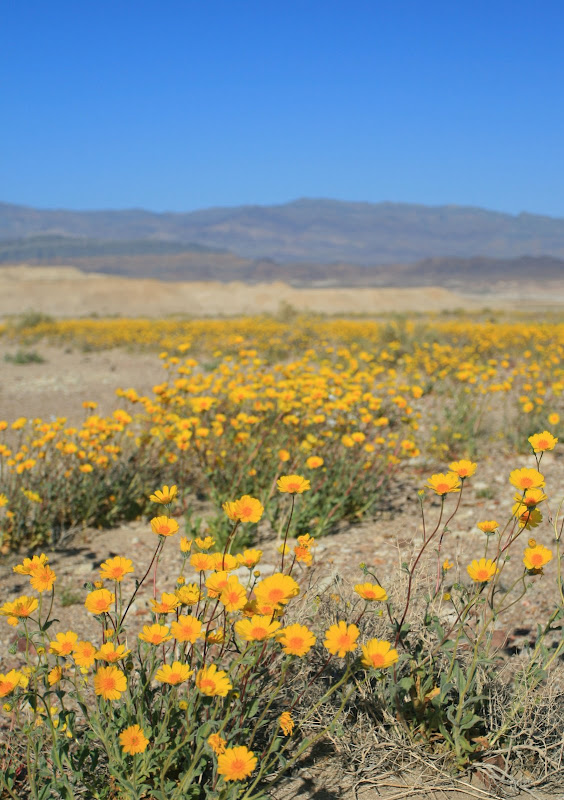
(554, 418)
(234, 595)
(185, 544)
(20, 608)
(215, 637)
(201, 561)
(224, 562)
(84, 654)
(378, 654)
(526, 478)
(29, 565)
(189, 594)
(115, 569)
(303, 554)
(11, 680)
(536, 557)
(216, 583)
(236, 763)
(206, 543)
(54, 676)
(109, 683)
(249, 558)
(531, 518)
(64, 643)
(542, 441)
(442, 483)
(257, 628)
(246, 509)
(482, 570)
(283, 455)
(213, 682)
(488, 526)
(371, 591)
(110, 653)
(293, 484)
(186, 629)
(133, 740)
(464, 469)
(166, 605)
(276, 590)
(314, 462)
(42, 579)
(164, 526)
(165, 495)
(286, 723)
(216, 743)
(155, 634)
(173, 674)
(99, 601)
(340, 639)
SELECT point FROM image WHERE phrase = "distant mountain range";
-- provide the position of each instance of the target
(304, 242)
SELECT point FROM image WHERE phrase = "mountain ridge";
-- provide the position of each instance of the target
(319, 230)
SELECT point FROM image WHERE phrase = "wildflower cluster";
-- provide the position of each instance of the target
(199, 693)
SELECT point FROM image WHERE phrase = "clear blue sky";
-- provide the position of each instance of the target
(185, 104)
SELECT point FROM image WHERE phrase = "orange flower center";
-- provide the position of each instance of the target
(155, 638)
(65, 648)
(377, 659)
(275, 595)
(238, 765)
(293, 487)
(259, 633)
(344, 640)
(296, 643)
(442, 488)
(536, 558)
(207, 685)
(134, 740)
(6, 687)
(526, 483)
(164, 530)
(174, 677)
(542, 444)
(246, 511)
(483, 574)
(108, 683)
(232, 596)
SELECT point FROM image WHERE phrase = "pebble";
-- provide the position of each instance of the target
(83, 569)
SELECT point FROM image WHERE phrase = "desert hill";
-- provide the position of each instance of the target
(64, 291)
(174, 261)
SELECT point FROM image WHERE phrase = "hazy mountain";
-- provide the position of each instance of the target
(310, 230)
(175, 261)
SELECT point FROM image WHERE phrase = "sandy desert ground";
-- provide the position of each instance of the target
(66, 291)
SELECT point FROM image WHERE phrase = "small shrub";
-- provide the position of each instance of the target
(24, 357)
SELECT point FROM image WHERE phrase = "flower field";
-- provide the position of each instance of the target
(287, 431)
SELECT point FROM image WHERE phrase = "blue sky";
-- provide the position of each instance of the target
(179, 105)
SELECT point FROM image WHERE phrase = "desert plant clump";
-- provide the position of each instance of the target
(226, 687)
(207, 700)
(24, 357)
